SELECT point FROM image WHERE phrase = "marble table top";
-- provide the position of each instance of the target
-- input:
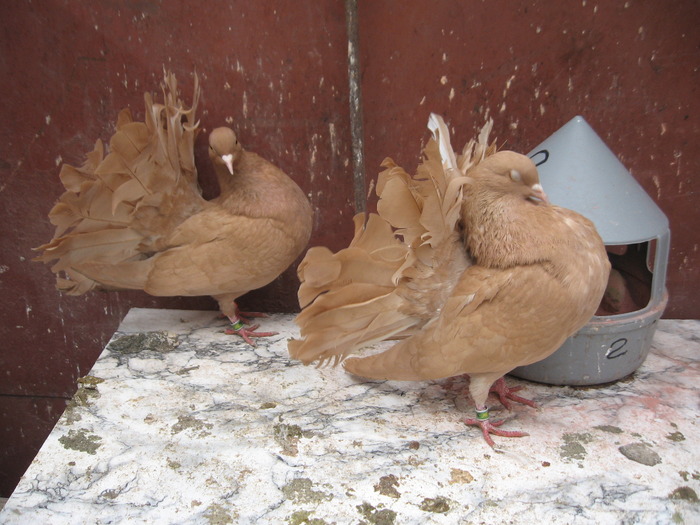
(180, 423)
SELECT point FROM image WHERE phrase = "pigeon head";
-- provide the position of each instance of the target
(507, 172)
(224, 149)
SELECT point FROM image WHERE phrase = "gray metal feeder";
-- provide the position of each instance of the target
(578, 171)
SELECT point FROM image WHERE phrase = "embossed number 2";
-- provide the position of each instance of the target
(615, 349)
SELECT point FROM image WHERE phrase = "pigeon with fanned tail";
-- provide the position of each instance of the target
(467, 263)
(136, 219)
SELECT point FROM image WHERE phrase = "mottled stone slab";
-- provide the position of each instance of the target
(180, 423)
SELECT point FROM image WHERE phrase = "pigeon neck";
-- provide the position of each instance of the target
(227, 181)
(497, 232)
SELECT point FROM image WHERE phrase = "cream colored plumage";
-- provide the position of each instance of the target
(484, 275)
(136, 219)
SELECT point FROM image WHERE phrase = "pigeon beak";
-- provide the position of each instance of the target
(228, 159)
(539, 194)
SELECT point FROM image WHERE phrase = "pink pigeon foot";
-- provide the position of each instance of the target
(490, 427)
(505, 393)
(246, 332)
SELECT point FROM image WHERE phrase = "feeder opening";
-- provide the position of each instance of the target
(630, 283)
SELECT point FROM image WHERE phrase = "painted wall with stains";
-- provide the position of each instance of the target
(277, 73)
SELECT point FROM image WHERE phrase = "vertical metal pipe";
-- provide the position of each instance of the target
(356, 128)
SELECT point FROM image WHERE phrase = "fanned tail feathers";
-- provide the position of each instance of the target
(402, 262)
(118, 206)
(349, 297)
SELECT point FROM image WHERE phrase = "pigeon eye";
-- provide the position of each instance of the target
(515, 176)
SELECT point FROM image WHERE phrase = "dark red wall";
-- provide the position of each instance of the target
(277, 72)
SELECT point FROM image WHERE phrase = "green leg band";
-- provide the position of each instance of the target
(237, 325)
(482, 415)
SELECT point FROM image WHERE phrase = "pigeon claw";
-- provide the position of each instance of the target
(506, 393)
(245, 316)
(247, 332)
(489, 427)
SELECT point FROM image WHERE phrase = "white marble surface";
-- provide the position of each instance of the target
(194, 426)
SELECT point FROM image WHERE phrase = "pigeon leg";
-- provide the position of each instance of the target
(491, 427)
(243, 317)
(505, 393)
(499, 388)
(479, 387)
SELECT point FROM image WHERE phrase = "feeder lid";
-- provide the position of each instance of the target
(578, 171)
